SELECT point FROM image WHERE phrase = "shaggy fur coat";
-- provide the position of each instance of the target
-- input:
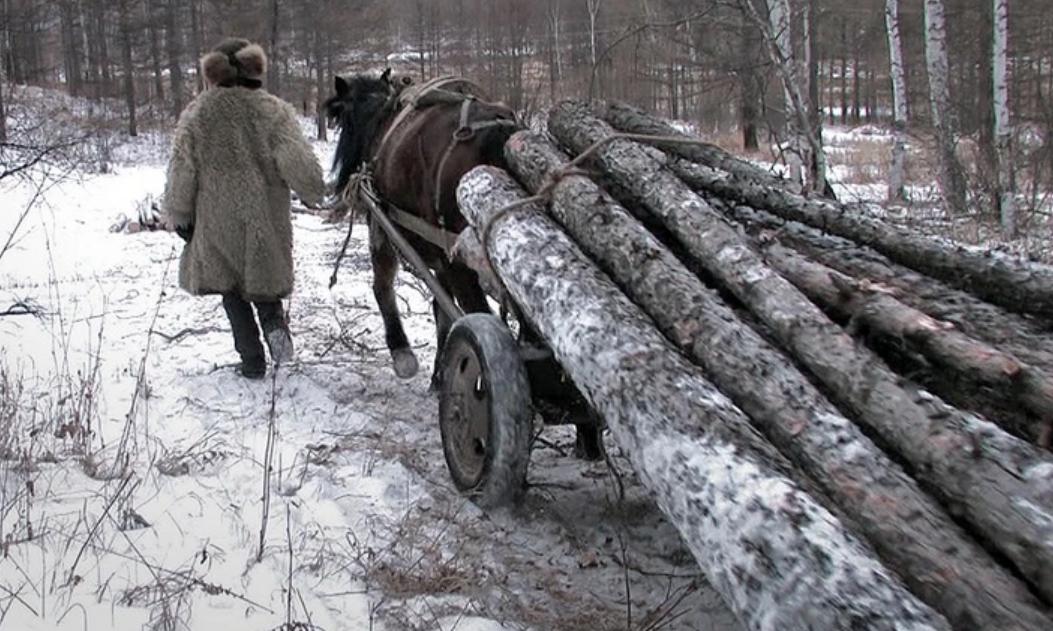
(236, 153)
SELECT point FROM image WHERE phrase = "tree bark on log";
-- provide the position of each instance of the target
(1000, 484)
(1015, 284)
(631, 120)
(911, 533)
(1019, 335)
(941, 342)
(779, 559)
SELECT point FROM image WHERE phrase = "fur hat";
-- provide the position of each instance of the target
(232, 60)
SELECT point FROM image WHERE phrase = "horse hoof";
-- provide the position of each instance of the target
(404, 362)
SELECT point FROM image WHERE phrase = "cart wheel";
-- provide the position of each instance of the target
(485, 414)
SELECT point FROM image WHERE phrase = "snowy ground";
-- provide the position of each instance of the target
(132, 459)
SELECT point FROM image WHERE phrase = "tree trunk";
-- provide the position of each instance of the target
(909, 530)
(3, 106)
(750, 84)
(71, 52)
(940, 341)
(951, 177)
(1006, 192)
(806, 146)
(274, 18)
(1011, 282)
(857, 109)
(896, 189)
(844, 72)
(195, 43)
(779, 559)
(155, 50)
(969, 462)
(174, 47)
(780, 43)
(104, 48)
(129, 68)
(816, 166)
(320, 84)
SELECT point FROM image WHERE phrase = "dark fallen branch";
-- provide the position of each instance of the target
(184, 333)
(22, 309)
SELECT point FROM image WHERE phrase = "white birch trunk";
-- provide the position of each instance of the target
(1002, 130)
(951, 177)
(896, 189)
(593, 7)
(782, 37)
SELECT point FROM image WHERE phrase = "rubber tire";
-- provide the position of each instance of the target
(510, 413)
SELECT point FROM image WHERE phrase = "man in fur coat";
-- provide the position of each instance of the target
(236, 153)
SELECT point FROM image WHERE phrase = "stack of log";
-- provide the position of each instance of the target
(847, 422)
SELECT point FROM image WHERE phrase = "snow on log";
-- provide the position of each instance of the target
(873, 306)
(1009, 281)
(911, 533)
(632, 120)
(1002, 485)
(780, 560)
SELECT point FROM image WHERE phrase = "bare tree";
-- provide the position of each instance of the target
(805, 144)
(1002, 131)
(155, 49)
(951, 176)
(129, 68)
(593, 8)
(174, 46)
(896, 188)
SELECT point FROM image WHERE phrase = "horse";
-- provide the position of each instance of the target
(416, 150)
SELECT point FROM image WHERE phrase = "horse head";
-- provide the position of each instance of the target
(359, 108)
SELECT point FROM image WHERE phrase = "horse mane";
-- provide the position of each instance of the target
(360, 111)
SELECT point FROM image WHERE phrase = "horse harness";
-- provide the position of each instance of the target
(449, 90)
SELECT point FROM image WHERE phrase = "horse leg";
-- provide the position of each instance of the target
(385, 267)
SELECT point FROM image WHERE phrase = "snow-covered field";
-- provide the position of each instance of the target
(132, 458)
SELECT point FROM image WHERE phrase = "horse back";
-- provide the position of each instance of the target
(408, 162)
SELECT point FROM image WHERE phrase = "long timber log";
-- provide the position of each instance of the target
(1023, 336)
(911, 533)
(1008, 281)
(1000, 484)
(629, 119)
(780, 560)
(939, 341)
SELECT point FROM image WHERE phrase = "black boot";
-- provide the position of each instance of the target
(246, 336)
(275, 331)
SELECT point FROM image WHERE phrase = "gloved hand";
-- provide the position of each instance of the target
(186, 233)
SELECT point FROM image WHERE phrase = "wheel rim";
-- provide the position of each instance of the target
(467, 418)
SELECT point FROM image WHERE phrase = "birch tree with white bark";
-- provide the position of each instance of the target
(951, 177)
(781, 25)
(804, 140)
(896, 188)
(1003, 133)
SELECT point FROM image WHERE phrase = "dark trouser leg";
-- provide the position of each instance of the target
(275, 331)
(246, 332)
(271, 315)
